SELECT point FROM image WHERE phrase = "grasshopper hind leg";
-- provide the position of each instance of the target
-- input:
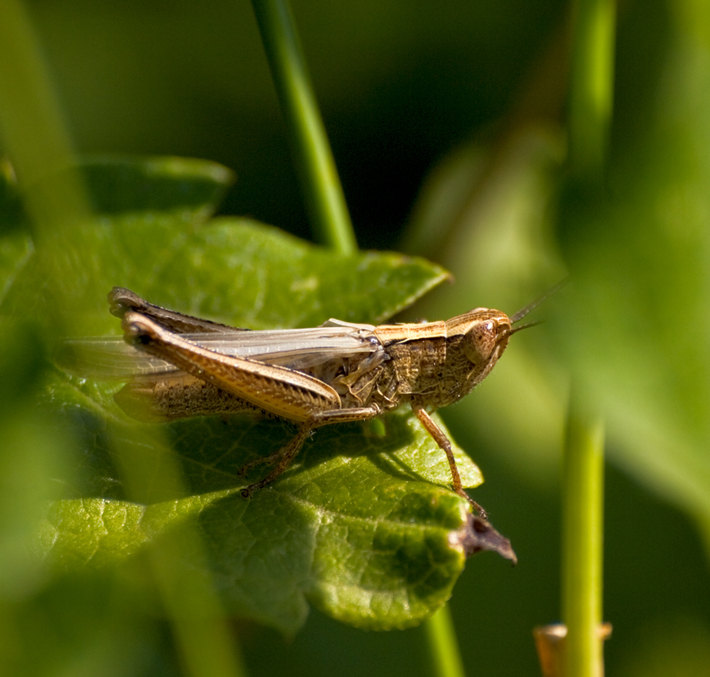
(282, 458)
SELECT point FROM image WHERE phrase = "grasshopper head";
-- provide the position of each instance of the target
(485, 334)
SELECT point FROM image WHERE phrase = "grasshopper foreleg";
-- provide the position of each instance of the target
(443, 441)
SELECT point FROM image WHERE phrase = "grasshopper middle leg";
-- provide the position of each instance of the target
(285, 455)
(283, 458)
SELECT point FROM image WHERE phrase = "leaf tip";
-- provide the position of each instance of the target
(477, 534)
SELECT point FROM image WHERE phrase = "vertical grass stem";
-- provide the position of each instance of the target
(313, 156)
(442, 644)
(583, 495)
(591, 97)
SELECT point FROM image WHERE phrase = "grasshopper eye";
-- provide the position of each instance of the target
(480, 341)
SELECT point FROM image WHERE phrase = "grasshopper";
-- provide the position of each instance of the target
(338, 372)
(179, 366)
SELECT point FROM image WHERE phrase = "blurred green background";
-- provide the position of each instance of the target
(447, 127)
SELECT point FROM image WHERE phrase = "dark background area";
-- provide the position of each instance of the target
(399, 86)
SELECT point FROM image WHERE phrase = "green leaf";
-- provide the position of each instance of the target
(171, 195)
(16, 252)
(186, 187)
(235, 270)
(12, 214)
(362, 524)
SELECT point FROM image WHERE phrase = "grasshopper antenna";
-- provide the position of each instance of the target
(531, 306)
(527, 325)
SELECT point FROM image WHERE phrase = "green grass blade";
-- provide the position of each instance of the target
(442, 645)
(582, 544)
(591, 105)
(591, 89)
(313, 156)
